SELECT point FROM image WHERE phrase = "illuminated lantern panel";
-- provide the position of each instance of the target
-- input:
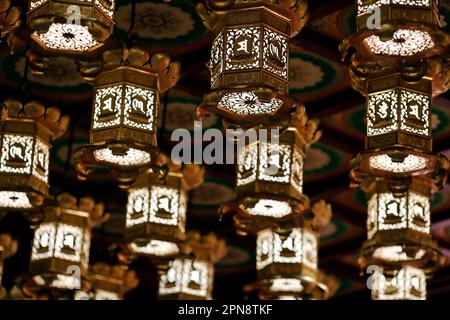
(24, 162)
(156, 216)
(187, 279)
(271, 168)
(125, 110)
(61, 248)
(293, 254)
(398, 116)
(61, 25)
(253, 54)
(408, 283)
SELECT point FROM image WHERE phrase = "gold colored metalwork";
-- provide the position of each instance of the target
(27, 132)
(128, 122)
(9, 21)
(96, 16)
(250, 56)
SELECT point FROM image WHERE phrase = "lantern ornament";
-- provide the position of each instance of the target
(407, 283)
(250, 57)
(26, 134)
(286, 262)
(398, 227)
(70, 27)
(398, 29)
(124, 116)
(60, 250)
(156, 210)
(190, 276)
(269, 183)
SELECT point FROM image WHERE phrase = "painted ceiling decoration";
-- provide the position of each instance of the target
(320, 81)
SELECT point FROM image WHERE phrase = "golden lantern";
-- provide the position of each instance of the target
(124, 115)
(60, 250)
(249, 57)
(26, 134)
(398, 227)
(287, 259)
(70, 27)
(406, 283)
(190, 276)
(156, 210)
(270, 173)
(399, 29)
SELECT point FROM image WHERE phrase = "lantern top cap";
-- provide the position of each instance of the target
(211, 11)
(34, 110)
(160, 64)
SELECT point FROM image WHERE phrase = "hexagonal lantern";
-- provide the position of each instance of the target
(60, 251)
(124, 115)
(398, 116)
(285, 259)
(398, 227)
(250, 57)
(407, 283)
(70, 26)
(272, 171)
(156, 215)
(399, 29)
(187, 279)
(26, 133)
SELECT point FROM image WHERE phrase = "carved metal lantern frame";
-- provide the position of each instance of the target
(156, 215)
(187, 279)
(398, 228)
(60, 251)
(398, 29)
(26, 133)
(74, 27)
(124, 113)
(249, 61)
(287, 261)
(270, 179)
(407, 283)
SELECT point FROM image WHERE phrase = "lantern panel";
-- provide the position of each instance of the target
(107, 107)
(14, 199)
(164, 205)
(33, 4)
(247, 164)
(44, 241)
(386, 212)
(415, 113)
(139, 108)
(300, 247)
(242, 48)
(196, 278)
(170, 282)
(69, 240)
(215, 63)
(138, 206)
(64, 282)
(382, 113)
(275, 53)
(247, 103)
(275, 162)
(64, 36)
(408, 283)
(41, 160)
(16, 154)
